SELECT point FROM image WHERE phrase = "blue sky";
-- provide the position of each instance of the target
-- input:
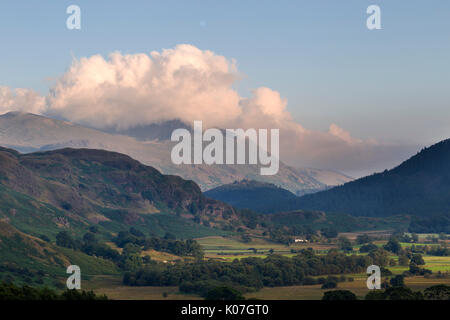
(390, 84)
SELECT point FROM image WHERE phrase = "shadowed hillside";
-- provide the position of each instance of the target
(72, 188)
(419, 186)
(254, 195)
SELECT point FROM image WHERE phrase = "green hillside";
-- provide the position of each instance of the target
(73, 189)
(25, 258)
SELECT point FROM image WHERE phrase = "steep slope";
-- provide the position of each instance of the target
(73, 187)
(419, 186)
(27, 133)
(254, 195)
(24, 257)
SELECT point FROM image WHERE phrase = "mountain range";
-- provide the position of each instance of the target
(150, 145)
(73, 189)
(419, 187)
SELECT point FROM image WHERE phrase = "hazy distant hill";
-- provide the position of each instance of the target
(27, 132)
(419, 186)
(254, 195)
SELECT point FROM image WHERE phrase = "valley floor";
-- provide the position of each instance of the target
(113, 288)
(229, 248)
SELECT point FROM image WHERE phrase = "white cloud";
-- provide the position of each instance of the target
(189, 84)
(21, 100)
(123, 91)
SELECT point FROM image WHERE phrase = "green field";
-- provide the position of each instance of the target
(314, 292)
(113, 288)
(229, 248)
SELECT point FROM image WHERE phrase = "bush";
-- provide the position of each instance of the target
(398, 281)
(9, 291)
(438, 292)
(339, 295)
(394, 293)
(367, 248)
(224, 293)
(329, 285)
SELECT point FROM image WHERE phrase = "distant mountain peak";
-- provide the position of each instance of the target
(150, 145)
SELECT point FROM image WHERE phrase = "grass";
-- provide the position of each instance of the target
(112, 286)
(229, 248)
(436, 264)
(158, 224)
(161, 256)
(358, 287)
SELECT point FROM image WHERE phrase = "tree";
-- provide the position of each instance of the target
(398, 281)
(394, 293)
(224, 293)
(375, 295)
(417, 259)
(63, 239)
(130, 249)
(89, 238)
(402, 293)
(380, 257)
(329, 232)
(403, 260)
(393, 246)
(367, 248)
(339, 295)
(362, 238)
(132, 262)
(438, 292)
(329, 285)
(344, 244)
(415, 269)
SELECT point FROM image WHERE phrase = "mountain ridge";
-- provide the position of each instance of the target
(84, 187)
(418, 186)
(249, 194)
(29, 133)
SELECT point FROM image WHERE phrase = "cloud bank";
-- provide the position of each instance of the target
(21, 100)
(186, 83)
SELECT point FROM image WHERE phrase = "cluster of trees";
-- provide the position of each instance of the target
(89, 244)
(248, 273)
(396, 292)
(430, 224)
(10, 291)
(167, 244)
(9, 269)
(407, 256)
(129, 259)
(132, 242)
(440, 251)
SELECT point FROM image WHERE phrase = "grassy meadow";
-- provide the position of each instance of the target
(229, 248)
